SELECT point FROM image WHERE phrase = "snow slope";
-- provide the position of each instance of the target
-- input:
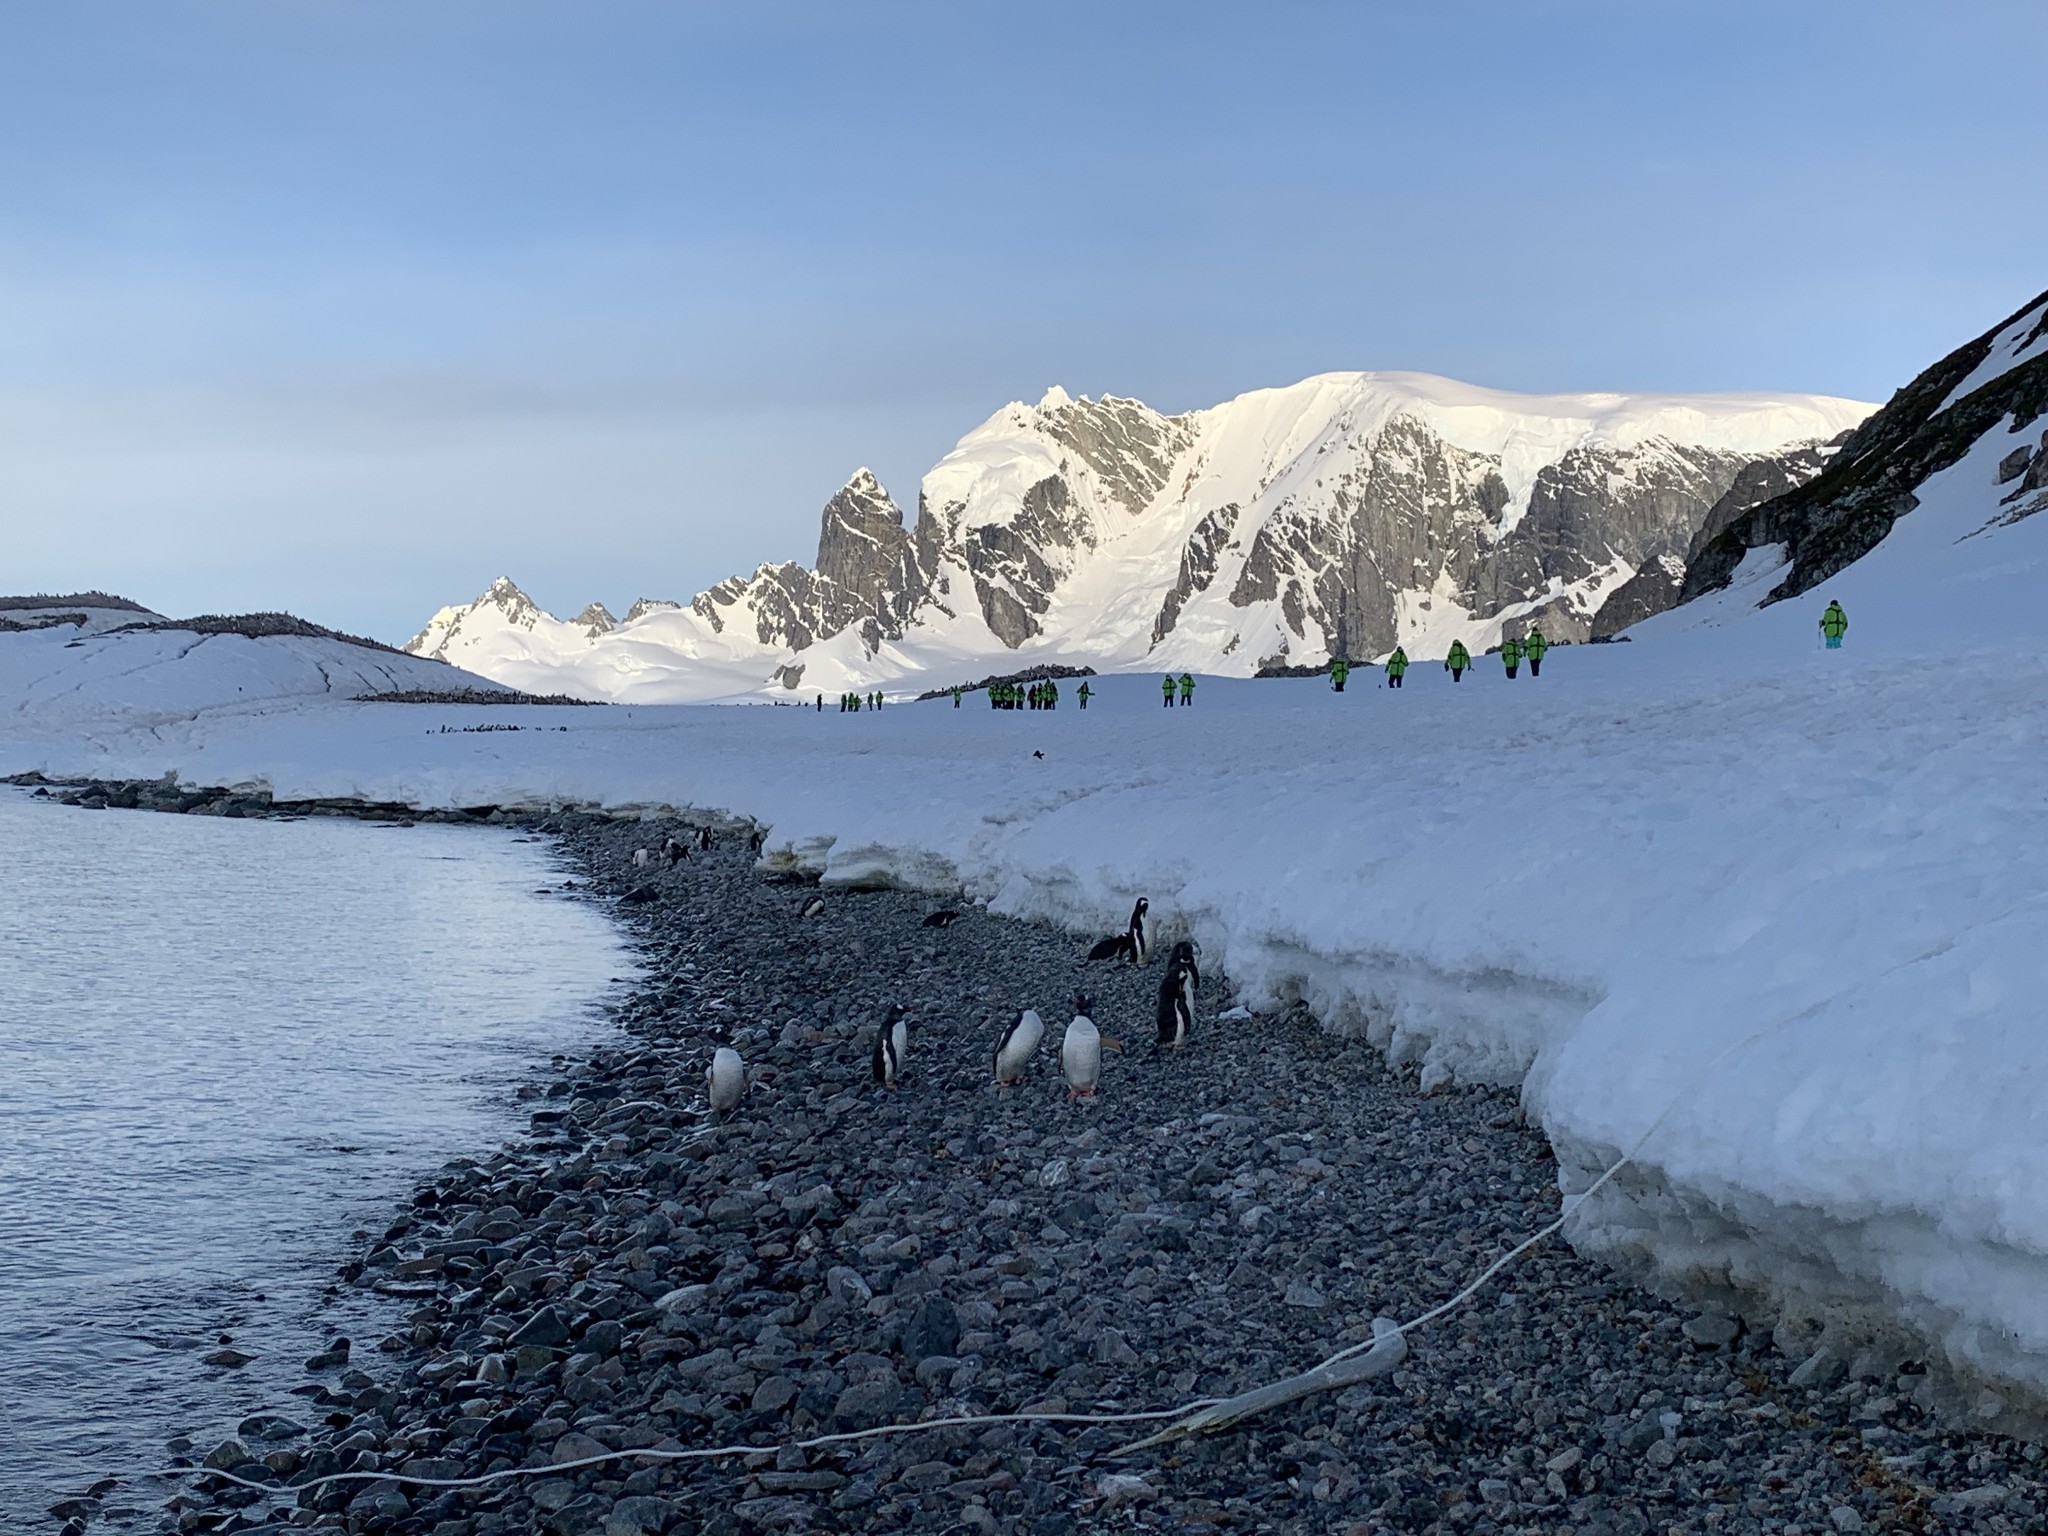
(58, 686)
(1757, 900)
(1351, 511)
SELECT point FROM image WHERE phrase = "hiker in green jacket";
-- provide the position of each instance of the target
(1511, 654)
(956, 695)
(1339, 670)
(1458, 660)
(1533, 646)
(1082, 693)
(1397, 667)
(1834, 624)
(1166, 690)
(1187, 687)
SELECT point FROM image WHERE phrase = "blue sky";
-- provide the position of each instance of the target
(348, 307)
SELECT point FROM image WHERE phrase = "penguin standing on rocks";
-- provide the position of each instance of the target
(892, 1046)
(703, 839)
(812, 907)
(673, 853)
(1177, 996)
(725, 1080)
(1134, 943)
(1018, 1045)
(1081, 1053)
(642, 858)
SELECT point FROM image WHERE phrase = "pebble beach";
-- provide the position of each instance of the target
(831, 1257)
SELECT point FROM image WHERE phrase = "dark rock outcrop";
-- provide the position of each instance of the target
(1843, 513)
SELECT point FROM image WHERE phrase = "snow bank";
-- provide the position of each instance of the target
(1757, 900)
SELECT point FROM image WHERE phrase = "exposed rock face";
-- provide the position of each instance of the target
(867, 569)
(1658, 581)
(647, 605)
(1348, 513)
(1998, 382)
(596, 620)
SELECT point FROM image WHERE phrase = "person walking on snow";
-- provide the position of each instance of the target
(956, 695)
(1187, 687)
(1511, 655)
(1834, 624)
(1458, 660)
(1082, 693)
(1339, 670)
(1166, 690)
(1397, 667)
(1533, 647)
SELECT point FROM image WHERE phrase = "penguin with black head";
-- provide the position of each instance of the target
(892, 1046)
(1134, 943)
(1177, 995)
(1081, 1052)
(1017, 1046)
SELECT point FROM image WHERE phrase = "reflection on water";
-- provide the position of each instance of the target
(223, 1044)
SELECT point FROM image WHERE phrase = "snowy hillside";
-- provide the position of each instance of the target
(65, 683)
(1348, 513)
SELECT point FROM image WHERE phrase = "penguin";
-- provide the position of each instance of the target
(811, 907)
(642, 858)
(673, 853)
(1177, 996)
(1139, 934)
(755, 840)
(1134, 943)
(725, 1080)
(1081, 1053)
(1018, 1045)
(703, 839)
(892, 1046)
(944, 919)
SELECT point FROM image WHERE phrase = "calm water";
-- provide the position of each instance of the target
(223, 1046)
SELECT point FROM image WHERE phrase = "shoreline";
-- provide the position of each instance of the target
(810, 1306)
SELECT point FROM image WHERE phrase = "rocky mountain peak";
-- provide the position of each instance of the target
(596, 620)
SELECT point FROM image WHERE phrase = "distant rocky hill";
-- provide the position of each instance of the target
(1345, 514)
(1993, 386)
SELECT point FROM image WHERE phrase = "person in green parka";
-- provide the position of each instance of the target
(1187, 687)
(1397, 667)
(1834, 624)
(1082, 693)
(956, 695)
(1340, 669)
(1166, 690)
(1511, 654)
(1458, 660)
(1533, 647)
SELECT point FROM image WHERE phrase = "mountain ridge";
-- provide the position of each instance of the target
(1348, 512)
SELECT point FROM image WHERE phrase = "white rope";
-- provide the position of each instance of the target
(708, 1453)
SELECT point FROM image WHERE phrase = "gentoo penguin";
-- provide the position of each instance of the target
(703, 839)
(1134, 943)
(812, 907)
(944, 919)
(755, 839)
(1177, 996)
(725, 1080)
(1018, 1045)
(673, 853)
(642, 858)
(1081, 1053)
(892, 1046)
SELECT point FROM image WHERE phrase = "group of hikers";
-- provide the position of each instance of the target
(1041, 695)
(1531, 647)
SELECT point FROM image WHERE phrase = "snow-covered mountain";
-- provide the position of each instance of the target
(1348, 513)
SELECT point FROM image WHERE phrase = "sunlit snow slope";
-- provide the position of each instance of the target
(1348, 513)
